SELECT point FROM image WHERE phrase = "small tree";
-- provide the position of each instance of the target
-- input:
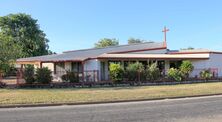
(29, 74)
(186, 68)
(73, 77)
(43, 75)
(134, 70)
(116, 72)
(70, 77)
(174, 74)
(206, 74)
(153, 72)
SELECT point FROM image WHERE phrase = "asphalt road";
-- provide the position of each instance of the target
(204, 109)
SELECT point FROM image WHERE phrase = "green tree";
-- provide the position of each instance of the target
(116, 72)
(133, 70)
(9, 52)
(206, 74)
(43, 75)
(153, 72)
(186, 68)
(29, 74)
(188, 48)
(133, 41)
(25, 32)
(71, 77)
(174, 74)
(105, 42)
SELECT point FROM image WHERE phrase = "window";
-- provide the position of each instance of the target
(58, 67)
(61, 65)
(76, 67)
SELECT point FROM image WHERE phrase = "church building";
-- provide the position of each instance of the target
(93, 64)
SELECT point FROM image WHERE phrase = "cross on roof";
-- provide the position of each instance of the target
(165, 30)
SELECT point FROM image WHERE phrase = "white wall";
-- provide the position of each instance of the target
(49, 65)
(199, 65)
(215, 61)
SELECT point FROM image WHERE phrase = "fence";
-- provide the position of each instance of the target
(86, 76)
(1, 77)
(9, 77)
(93, 76)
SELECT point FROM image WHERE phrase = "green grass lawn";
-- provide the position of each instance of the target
(76, 95)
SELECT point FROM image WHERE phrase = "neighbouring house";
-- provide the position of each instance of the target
(93, 64)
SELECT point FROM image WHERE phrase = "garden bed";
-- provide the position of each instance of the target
(110, 84)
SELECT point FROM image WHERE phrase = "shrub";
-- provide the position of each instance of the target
(43, 75)
(116, 72)
(206, 74)
(186, 68)
(73, 77)
(65, 78)
(174, 74)
(133, 71)
(29, 74)
(2, 84)
(70, 77)
(153, 72)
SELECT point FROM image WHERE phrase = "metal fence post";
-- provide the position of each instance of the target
(17, 77)
(1, 76)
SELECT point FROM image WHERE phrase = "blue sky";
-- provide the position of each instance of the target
(78, 24)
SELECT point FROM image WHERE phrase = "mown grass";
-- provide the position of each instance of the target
(76, 95)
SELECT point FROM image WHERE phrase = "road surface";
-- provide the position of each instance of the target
(203, 109)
